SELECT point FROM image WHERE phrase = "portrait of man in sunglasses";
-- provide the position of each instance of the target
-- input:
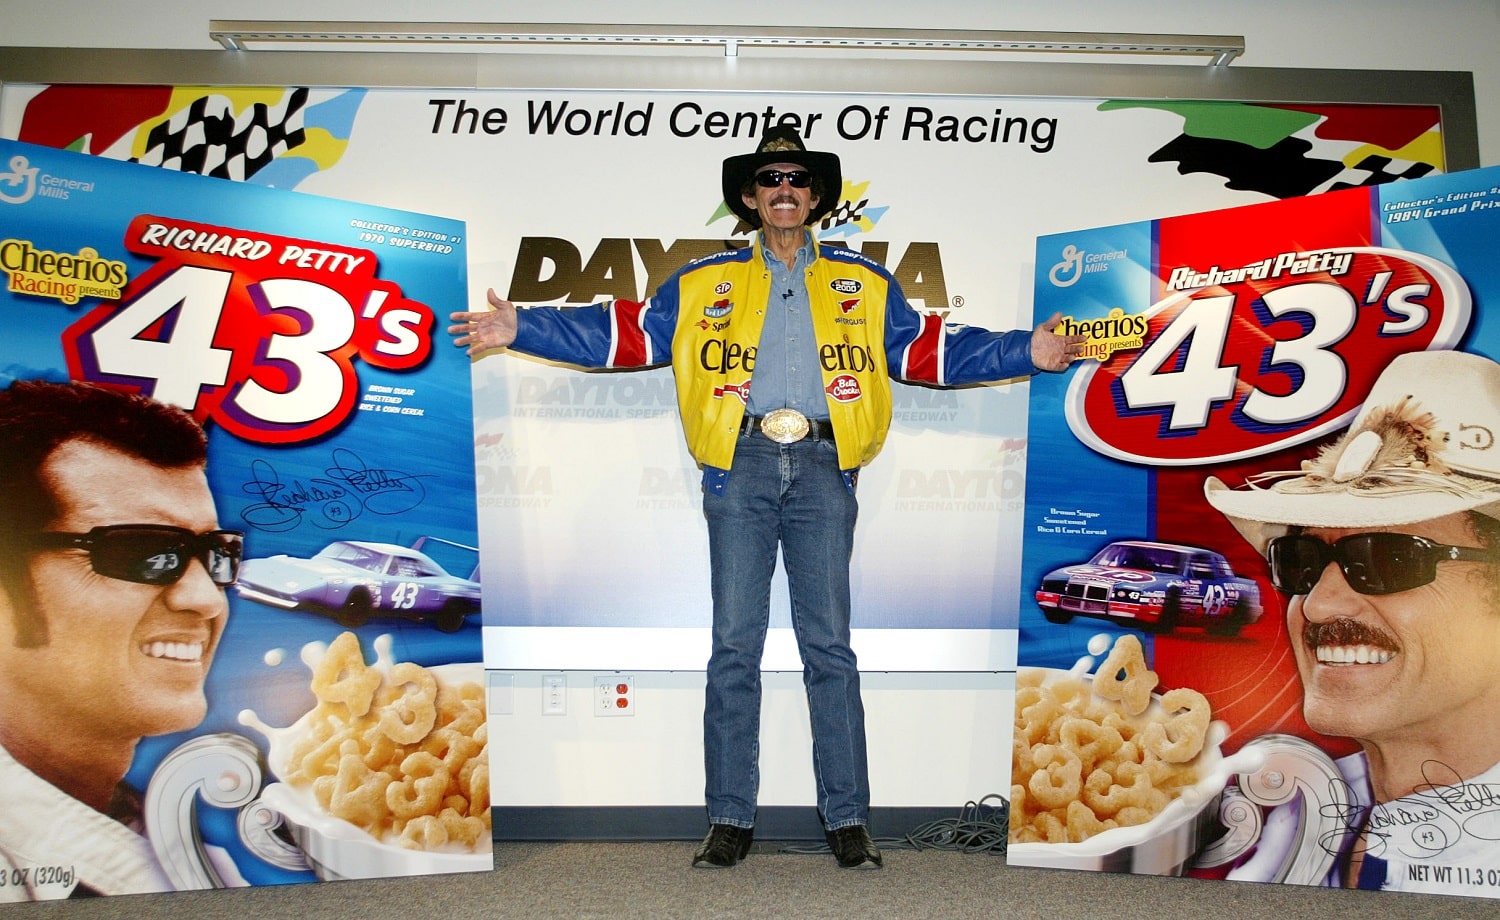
(821, 330)
(112, 604)
(1387, 549)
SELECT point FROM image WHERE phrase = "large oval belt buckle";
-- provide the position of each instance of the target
(784, 426)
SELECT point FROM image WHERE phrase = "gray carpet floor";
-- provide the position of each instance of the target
(539, 881)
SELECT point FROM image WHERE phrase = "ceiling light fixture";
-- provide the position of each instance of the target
(235, 35)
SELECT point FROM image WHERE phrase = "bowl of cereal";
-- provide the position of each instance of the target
(1110, 775)
(389, 773)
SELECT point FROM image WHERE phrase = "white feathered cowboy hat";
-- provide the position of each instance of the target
(1422, 446)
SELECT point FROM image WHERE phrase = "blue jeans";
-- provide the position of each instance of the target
(792, 495)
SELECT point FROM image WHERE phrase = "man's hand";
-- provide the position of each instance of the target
(490, 329)
(1053, 352)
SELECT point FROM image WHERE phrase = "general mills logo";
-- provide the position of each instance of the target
(1067, 272)
(22, 175)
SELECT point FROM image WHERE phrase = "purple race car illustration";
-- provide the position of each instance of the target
(353, 580)
(1155, 586)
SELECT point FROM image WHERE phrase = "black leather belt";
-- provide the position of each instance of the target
(818, 429)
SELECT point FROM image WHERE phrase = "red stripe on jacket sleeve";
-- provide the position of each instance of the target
(628, 345)
(924, 356)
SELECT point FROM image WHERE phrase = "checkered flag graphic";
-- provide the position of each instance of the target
(1376, 170)
(207, 138)
(847, 212)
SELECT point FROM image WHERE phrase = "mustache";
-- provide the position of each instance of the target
(1345, 631)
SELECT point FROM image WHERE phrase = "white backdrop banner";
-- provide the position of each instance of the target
(593, 543)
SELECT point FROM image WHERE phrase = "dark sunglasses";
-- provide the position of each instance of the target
(1372, 563)
(798, 178)
(152, 554)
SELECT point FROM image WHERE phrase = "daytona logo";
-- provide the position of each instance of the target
(552, 269)
(1246, 367)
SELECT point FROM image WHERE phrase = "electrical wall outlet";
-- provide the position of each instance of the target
(554, 695)
(614, 695)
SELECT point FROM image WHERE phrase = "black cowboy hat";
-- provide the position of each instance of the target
(782, 144)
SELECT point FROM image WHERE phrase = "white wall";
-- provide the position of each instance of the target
(936, 740)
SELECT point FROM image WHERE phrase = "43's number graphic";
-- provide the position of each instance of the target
(1242, 369)
(271, 359)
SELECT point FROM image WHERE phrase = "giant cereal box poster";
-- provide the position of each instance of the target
(239, 614)
(1260, 630)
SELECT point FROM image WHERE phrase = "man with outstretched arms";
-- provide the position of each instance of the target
(782, 353)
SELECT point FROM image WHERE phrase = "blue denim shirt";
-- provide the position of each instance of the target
(786, 359)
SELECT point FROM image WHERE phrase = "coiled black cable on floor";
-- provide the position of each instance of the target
(981, 827)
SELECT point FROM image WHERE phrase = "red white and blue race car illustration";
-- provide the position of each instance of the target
(1155, 586)
(354, 580)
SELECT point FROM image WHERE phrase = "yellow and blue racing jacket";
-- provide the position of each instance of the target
(706, 321)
